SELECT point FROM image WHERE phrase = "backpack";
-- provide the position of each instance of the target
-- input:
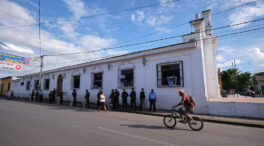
(192, 100)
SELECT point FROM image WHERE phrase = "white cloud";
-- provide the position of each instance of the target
(162, 29)
(94, 42)
(19, 48)
(77, 7)
(25, 39)
(220, 58)
(226, 50)
(257, 56)
(246, 14)
(228, 63)
(138, 17)
(19, 15)
(156, 19)
(243, 14)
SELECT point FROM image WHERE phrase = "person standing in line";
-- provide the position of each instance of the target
(74, 95)
(50, 97)
(133, 100)
(152, 100)
(98, 98)
(124, 99)
(142, 99)
(40, 96)
(112, 100)
(102, 102)
(11, 95)
(32, 95)
(36, 96)
(53, 95)
(87, 98)
(117, 98)
(61, 97)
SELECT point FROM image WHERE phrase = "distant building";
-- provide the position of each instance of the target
(259, 84)
(5, 85)
(190, 65)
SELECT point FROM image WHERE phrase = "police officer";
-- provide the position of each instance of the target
(133, 100)
(117, 98)
(124, 99)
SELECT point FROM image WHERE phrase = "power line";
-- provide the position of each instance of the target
(161, 39)
(97, 15)
(221, 36)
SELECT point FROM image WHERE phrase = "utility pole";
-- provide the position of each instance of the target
(236, 76)
(40, 54)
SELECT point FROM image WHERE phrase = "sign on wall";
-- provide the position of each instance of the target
(14, 58)
(10, 66)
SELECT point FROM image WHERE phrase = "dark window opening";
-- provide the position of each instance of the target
(127, 78)
(37, 84)
(97, 80)
(76, 81)
(46, 84)
(22, 83)
(28, 85)
(8, 87)
(170, 74)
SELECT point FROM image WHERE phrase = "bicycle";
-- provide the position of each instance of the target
(196, 124)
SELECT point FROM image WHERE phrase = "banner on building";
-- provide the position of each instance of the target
(10, 66)
(14, 58)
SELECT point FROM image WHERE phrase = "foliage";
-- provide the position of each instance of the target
(235, 79)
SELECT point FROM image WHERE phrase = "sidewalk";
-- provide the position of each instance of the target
(259, 123)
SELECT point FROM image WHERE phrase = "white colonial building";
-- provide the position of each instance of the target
(190, 65)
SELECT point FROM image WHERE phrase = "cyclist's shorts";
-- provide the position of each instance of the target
(186, 109)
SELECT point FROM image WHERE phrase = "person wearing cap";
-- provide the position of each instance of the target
(188, 106)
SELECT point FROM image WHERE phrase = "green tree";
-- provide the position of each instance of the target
(235, 79)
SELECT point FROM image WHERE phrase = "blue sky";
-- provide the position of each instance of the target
(86, 34)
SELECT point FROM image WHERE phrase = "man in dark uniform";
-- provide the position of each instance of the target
(142, 99)
(53, 95)
(50, 97)
(74, 95)
(112, 99)
(117, 98)
(36, 96)
(124, 99)
(98, 98)
(87, 98)
(32, 95)
(133, 100)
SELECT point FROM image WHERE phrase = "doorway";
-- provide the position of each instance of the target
(59, 84)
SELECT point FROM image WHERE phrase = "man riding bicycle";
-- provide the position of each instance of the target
(188, 106)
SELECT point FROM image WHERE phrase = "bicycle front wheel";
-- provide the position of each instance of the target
(169, 121)
(196, 124)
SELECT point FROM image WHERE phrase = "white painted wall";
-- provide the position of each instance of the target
(198, 72)
(237, 109)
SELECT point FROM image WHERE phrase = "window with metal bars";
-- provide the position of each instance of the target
(97, 81)
(46, 84)
(126, 78)
(170, 74)
(76, 82)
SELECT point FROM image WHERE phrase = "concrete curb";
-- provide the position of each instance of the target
(213, 120)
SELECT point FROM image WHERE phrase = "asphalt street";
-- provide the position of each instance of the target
(33, 124)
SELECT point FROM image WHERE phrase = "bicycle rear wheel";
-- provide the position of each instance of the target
(196, 124)
(169, 121)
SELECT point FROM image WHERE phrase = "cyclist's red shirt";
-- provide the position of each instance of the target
(186, 101)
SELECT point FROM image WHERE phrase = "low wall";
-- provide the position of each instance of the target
(236, 109)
